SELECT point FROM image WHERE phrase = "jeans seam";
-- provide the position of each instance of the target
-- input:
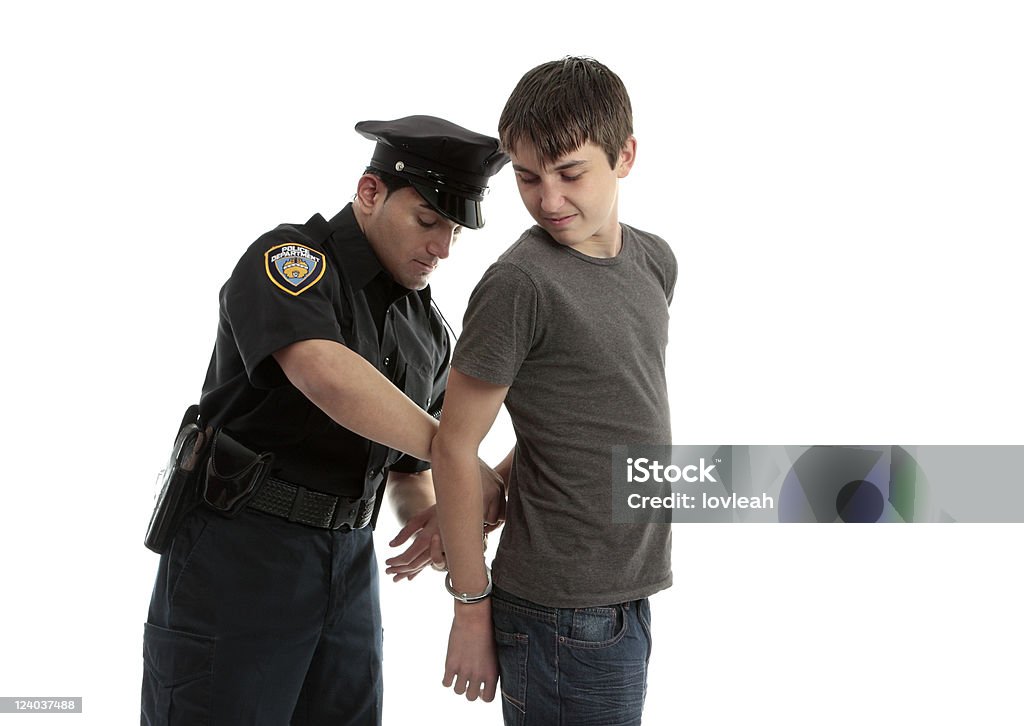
(646, 626)
(520, 642)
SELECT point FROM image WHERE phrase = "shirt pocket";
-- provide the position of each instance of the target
(415, 379)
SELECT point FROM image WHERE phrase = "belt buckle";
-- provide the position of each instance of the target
(342, 518)
(352, 514)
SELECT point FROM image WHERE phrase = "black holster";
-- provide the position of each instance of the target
(233, 474)
(178, 493)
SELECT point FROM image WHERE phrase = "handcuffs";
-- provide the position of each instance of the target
(465, 597)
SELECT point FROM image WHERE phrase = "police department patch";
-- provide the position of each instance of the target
(294, 268)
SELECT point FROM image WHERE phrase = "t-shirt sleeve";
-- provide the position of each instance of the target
(500, 325)
(671, 273)
(665, 265)
(279, 293)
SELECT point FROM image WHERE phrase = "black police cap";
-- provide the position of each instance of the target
(448, 165)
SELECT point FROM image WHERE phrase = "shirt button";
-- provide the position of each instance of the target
(387, 361)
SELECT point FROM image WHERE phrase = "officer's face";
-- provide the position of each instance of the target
(574, 198)
(408, 236)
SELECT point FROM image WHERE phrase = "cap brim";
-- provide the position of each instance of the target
(460, 210)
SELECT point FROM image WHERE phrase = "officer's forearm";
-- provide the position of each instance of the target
(409, 494)
(356, 395)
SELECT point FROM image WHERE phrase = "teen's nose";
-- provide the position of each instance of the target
(551, 198)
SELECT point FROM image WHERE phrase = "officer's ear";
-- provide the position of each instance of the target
(370, 193)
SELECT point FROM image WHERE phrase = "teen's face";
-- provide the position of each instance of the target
(408, 236)
(574, 198)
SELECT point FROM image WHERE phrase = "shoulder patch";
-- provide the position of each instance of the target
(294, 268)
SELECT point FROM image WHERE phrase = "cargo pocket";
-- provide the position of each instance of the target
(177, 680)
(513, 652)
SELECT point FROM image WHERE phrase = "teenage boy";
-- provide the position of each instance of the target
(568, 328)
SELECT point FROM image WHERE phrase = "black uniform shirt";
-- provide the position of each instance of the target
(319, 280)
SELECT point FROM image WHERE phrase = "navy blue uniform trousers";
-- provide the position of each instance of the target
(260, 621)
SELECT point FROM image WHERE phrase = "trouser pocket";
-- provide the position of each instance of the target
(513, 652)
(177, 677)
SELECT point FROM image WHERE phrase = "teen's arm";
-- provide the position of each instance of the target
(470, 408)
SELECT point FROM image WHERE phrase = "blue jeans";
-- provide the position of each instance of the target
(568, 666)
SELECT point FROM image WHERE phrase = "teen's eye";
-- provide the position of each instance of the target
(566, 177)
(528, 179)
(426, 224)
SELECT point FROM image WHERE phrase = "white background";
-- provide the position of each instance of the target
(841, 183)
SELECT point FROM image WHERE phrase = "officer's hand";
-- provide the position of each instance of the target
(493, 490)
(417, 555)
(472, 662)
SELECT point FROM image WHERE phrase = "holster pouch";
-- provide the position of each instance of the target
(177, 490)
(234, 473)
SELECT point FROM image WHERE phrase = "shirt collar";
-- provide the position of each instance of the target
(354, 251)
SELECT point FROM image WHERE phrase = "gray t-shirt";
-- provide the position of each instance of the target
(581, 342)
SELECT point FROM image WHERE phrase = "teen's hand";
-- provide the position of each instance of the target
(472, 662)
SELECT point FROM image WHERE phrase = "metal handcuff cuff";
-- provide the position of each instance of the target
(465, 597)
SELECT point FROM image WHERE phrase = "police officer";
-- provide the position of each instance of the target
(330, 359)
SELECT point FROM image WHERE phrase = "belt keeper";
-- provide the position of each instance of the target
(371, 507)
(365, 512)
(300, 494)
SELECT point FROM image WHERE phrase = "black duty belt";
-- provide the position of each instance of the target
(306, 506)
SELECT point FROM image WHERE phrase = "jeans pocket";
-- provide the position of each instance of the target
(599, 627)
(513, 653)
(603, 681)
(177, 677)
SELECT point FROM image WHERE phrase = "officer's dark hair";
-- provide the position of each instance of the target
(559, 106)
(392, 182)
